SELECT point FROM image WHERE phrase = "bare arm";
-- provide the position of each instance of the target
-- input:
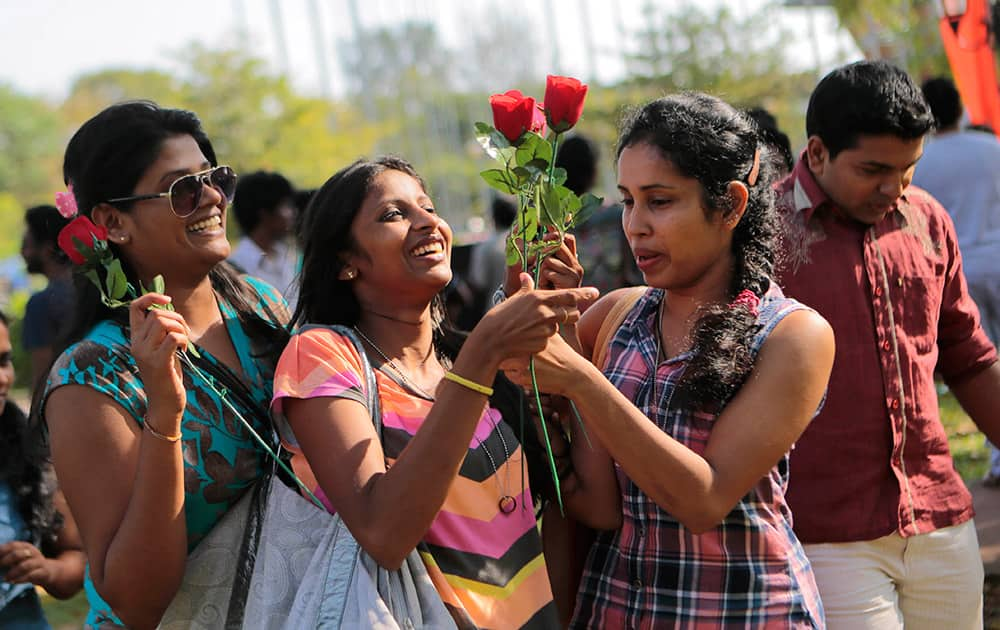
(61, 575)
(124, 486)
(980, 398)
(750, 435)
(344, 451)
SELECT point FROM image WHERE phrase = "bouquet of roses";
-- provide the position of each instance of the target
(525, 154)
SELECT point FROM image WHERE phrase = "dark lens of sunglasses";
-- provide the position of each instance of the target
(224, 179)
(185, 193)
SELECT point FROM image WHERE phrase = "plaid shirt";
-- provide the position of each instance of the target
(747, 572)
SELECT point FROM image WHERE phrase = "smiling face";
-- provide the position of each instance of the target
(401, 245)
(156, 241)
(866, 181)
(677, 244)
(6, 365)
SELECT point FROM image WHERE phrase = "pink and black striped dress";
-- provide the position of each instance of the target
(486, 565)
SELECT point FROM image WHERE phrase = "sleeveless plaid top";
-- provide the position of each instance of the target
(748, 572)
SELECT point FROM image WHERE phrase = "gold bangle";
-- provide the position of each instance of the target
(160, 436)
(464, 382)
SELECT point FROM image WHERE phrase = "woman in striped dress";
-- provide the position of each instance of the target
(709, 377)
(445, 476)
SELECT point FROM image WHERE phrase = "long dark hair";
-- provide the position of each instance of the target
(25, 466)
(708, 140)
(324, 234)
(104, 160)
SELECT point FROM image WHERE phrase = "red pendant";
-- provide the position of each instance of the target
(507, 504)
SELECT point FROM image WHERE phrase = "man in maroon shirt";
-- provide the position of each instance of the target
(886, 520)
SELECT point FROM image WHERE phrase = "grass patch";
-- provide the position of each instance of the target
(968, 449)
(64, 614)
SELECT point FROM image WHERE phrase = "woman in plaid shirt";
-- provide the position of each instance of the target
(708, 381)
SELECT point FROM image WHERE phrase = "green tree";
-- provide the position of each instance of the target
(740, 58)
(30, 135)
(903, 31)
(254, 117)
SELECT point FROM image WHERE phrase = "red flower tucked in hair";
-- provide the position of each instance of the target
(79, 239)
(514, 113)
(564, 98)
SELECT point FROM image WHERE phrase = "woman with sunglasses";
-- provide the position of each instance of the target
(148, 457)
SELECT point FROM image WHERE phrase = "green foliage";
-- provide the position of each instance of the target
(964, 439)
(11, 221)
(29, 131)
(904, 31)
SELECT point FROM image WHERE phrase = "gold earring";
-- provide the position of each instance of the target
(350, 274)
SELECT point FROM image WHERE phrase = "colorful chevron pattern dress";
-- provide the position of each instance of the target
(487, 565)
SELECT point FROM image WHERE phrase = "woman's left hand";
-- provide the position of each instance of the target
(556, 368)
(22, 562)
(560, 270)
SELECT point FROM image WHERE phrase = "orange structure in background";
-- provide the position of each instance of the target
(967, 41)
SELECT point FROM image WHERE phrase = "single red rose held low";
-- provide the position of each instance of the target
(80, 233)
(564, 98)
(514, 113)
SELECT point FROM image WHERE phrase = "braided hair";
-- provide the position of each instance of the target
(708, 140)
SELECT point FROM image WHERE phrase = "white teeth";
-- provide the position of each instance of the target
(432, 248)
(205, 224)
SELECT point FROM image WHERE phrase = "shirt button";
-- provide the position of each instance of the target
(636, 583)
(642, 532)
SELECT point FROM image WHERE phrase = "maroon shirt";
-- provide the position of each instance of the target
(876, 459)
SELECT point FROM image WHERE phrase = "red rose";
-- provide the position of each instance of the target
(514, 113)
(563, 102)
(78, 237)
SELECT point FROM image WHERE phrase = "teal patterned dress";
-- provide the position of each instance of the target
(221, 459)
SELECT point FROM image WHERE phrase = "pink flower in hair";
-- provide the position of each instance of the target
(748, 300)
(66, 203)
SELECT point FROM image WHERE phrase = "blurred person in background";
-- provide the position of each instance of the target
(961, 168)
(48, 311)
(39, 541)
(488, 260)
(600, 243)
(265, 208)
(773, 136)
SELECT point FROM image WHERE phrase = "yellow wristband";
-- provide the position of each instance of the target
(158, 435)
(464, 382)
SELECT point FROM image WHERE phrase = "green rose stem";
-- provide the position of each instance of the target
(253, 432)
(572, 405)
(158, 287)
(531, 361)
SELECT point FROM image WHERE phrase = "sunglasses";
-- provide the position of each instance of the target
(185, 193)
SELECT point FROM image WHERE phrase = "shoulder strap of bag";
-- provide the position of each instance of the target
(613, 321)
(371, 385)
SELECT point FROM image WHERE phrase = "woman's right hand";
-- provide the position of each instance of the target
(523, 323)
(156, 335)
